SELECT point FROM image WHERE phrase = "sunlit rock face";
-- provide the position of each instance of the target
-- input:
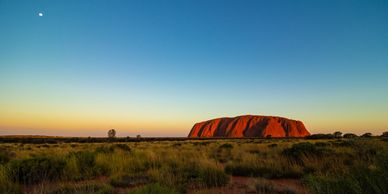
(249, 126)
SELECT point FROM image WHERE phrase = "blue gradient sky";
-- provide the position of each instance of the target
(157, 67)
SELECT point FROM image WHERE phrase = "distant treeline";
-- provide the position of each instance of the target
(55, 140)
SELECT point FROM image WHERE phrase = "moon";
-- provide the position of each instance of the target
(40, 14)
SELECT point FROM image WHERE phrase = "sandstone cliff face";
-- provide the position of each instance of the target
(249, 126)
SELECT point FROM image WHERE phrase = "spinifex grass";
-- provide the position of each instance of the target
(325, 166)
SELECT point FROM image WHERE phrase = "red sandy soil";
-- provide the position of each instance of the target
(239, 185)
(236, 185)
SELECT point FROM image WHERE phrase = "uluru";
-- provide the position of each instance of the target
(249, 126)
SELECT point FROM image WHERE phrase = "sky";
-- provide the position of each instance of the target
(157, 67)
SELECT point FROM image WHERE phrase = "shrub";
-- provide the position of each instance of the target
(104, 149)
(74, 145)
(204, 143)
(263, 170)
(72, 170)
(45, 146)
(255, 151)
(350, 135)
(213, 177)
(322, 144)
(6, 185)
(366, 135)
(223, 153)
(339, 143)
(272, 145)
(85, 158)
(320, 136)
(226, 146)
(9, 187)
(35, 170)
(176, 145)
(153, 189)
(385, 134)
(337, 134)
(80, 165)
(323, 185)
(366, 153)
(4, 157)
(303, 149)
(360, 180)
(123, 147)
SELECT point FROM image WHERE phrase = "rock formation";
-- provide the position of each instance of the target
(249, 126)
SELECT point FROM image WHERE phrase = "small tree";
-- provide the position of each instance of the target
(112, 133)
(385, 134)
(337, 134)
(138, 136)
(367, 135)
(350, 135)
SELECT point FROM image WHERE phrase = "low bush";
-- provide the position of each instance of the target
(366, 153)
(350, 135)
(213, 177)
(176, 145)
(366, 135)
(85, 162)
(304, 149)
(6, 184)
(223, 155)
(254, 151)
(322, 144)
(123, 147)
(81, 165)
(340, 143)
(35, 170)
(273, 145)
(104, 149)
(10, 188)
(358, 179)
(226, 146)
(321, 136)
(324, 185)
(4, 157)
(256, 170)
(45, 146)
(202, 143)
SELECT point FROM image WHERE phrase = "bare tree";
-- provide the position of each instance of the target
(367, 135)
(112, 133)
(350, 135)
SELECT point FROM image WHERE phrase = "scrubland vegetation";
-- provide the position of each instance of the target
(340, 165)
